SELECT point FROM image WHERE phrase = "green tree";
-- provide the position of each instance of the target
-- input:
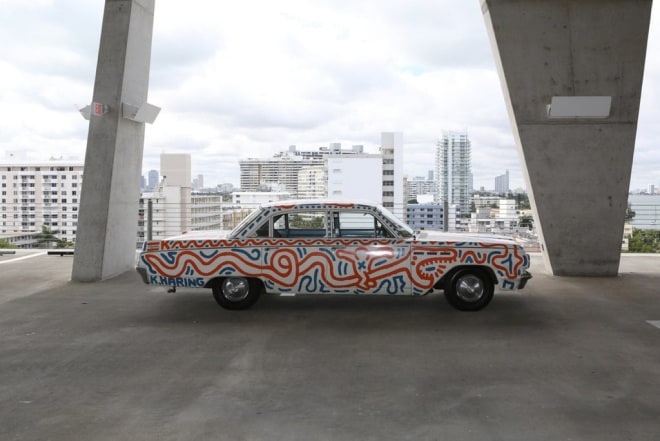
(644, 241)
(63, 243)
(298, 222)
(526, 221)
(522, 201)
(5, 244)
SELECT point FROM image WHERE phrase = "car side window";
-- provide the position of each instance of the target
(299, 224)
(358, 224)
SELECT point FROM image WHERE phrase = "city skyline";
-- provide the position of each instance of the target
(234, 83)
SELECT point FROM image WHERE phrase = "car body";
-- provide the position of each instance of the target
(334, 247)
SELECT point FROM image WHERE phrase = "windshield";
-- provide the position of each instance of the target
(402, 229)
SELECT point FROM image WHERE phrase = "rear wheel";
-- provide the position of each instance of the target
(237, 292)
(469, 289)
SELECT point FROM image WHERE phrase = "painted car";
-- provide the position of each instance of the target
(326, 247)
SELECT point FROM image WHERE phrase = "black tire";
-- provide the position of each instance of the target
(237, 292)
(469, 289)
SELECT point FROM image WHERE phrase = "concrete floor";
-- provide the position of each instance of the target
(566, 358)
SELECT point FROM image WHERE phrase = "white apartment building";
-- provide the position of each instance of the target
(419, 185)
(453, 169)
(355, 177)
(37, 194)
(391, 147)
(312, 182)
(348, 174)
(281, 170)
(206, 212)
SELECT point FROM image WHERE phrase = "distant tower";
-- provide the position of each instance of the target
(453, 170)
(502, 183)
(152, 182)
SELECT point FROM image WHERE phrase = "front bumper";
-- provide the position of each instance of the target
(523, 280)
(143, 273)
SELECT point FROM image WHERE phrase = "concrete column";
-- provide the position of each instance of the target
(107, 223)
(577, 166)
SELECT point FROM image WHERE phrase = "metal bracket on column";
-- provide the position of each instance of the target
(146, 113)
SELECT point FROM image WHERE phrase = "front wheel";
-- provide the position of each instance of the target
(469, 290)
(237, 292)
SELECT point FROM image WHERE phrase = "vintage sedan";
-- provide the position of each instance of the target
(333, 247)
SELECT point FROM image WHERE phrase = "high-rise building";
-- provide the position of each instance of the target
(453, 170)
(38, 194)
(391, 147)
(152, 180)
(502, 183)
(198, 182)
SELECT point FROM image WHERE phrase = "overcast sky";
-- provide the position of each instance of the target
(249, 78)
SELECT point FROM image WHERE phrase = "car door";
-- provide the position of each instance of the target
(368, 258)
(296, 255)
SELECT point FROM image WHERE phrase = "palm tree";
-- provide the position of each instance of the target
(46, 237)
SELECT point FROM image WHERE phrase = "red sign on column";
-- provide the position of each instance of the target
(99, 109)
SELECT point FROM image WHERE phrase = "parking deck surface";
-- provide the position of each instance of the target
(563, 359)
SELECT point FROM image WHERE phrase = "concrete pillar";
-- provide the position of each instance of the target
(576, 163)
(107, 223)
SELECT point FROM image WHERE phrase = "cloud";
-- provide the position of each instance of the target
(250, 78)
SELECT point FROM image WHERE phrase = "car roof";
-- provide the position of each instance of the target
(321, 203)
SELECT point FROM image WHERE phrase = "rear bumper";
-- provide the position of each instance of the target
(523, 280)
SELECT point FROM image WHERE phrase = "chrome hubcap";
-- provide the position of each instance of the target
(470, 288)
(235, 289)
